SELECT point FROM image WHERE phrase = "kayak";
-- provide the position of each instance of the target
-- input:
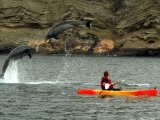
(142, 92)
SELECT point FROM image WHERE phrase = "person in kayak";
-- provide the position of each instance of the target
(106, 83)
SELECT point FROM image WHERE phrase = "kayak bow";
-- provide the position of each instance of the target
(144, 92)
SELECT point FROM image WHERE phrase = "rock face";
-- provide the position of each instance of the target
(124, 27)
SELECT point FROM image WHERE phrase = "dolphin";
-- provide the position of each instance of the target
(17, 53)
(62, 26)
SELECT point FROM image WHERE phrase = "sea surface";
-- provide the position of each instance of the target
(44, 88)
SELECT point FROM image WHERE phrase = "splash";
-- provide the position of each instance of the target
(42, 82)
(63, 72)
(66, 48)
(11, 74)
(138, 84)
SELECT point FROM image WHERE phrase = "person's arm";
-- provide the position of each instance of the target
(114, 83)
(103, 83)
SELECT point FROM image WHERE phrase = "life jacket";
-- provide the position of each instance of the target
(105, 79)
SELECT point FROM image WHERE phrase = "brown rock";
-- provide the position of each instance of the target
(132, 25)
(44, 47)
(104, 47)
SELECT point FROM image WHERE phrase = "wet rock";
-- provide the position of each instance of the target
(136, 52)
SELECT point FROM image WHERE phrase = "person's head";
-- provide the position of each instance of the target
(106, 73)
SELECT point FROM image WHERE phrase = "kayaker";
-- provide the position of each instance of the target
(106, 83)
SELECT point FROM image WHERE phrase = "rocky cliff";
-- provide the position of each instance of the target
(124, 27)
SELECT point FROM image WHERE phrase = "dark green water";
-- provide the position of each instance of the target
(44, 88)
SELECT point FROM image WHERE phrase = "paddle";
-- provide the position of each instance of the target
(107, 85)
(114, 83)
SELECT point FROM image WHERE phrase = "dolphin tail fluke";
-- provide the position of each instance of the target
(1, 76)
(88, 23)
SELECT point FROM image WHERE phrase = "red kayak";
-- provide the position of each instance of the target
(143, 92)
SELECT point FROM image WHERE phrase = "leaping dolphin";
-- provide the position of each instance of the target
(17, 53)
(62, 26)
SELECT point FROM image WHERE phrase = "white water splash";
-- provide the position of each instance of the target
(64, 70)
(11, 74)
(42, 82)
(138, 84)
(66, 47)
